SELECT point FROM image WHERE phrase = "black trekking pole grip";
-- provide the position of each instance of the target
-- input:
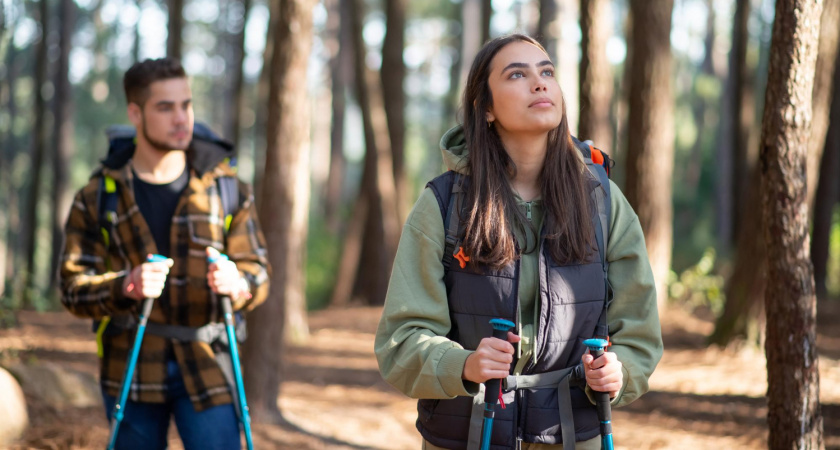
(602, 399)
(492, 387)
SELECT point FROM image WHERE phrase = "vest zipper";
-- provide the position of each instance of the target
(528, 211)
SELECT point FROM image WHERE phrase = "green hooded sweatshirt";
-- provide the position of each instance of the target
(411, 346)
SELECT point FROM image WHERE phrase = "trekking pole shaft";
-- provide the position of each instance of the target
(227, 309)
(492, 388)
(602, 403)
(119, 408)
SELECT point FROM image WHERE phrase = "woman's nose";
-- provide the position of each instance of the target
(540, 85)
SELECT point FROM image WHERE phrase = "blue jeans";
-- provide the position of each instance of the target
(145, 425)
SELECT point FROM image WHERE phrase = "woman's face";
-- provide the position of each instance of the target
(526, 95)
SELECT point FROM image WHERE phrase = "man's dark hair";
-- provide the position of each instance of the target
(141, 75)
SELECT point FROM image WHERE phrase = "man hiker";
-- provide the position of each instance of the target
(164, 192)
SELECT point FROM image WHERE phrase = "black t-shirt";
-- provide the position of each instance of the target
(157, 203)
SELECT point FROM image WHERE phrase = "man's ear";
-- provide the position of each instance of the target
(135, 114)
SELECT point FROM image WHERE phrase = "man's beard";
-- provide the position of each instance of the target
(159, 145)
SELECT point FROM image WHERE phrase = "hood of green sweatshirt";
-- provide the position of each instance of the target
(453, 145)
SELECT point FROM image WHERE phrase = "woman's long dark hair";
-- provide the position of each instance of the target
(491, 209)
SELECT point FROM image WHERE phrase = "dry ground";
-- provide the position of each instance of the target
(334, 398)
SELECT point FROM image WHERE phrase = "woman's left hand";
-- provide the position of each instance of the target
(603, 374)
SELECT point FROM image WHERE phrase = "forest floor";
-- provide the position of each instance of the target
(332, 396)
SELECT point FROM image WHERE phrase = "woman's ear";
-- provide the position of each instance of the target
(489, 117)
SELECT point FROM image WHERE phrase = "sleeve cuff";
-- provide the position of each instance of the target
(450, 368)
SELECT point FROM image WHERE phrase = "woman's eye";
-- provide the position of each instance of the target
(517, 75)
(548, 72)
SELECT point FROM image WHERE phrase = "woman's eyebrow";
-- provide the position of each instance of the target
(521, 65)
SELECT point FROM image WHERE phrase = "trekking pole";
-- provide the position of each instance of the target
(119, 408)
(602, 399)
(493, 388)
(227, 309)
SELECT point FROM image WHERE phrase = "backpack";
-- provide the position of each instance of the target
(450, 189)
(120, 138)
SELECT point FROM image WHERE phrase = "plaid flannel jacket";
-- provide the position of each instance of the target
(92, 274)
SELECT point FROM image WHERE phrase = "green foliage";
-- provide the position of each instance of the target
(833, 276)
(323, 253)
(698, 286)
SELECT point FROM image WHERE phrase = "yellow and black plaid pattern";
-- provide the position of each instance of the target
(92, 275)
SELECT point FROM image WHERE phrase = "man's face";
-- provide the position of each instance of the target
(166, 120)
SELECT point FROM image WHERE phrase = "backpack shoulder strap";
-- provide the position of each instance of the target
(106, 198)
(598, 164)
(449, 190)
(229, 193)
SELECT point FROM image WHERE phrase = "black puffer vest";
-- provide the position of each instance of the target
(572, 300)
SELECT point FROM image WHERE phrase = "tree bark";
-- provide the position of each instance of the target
(650, 146)
(548, 27)
(596, 81)
(284, 210)
(732, 134)
(381, 232)
(828, 193)
(793, 408)
(471, 38)
(174, 39)
(237, 101)
(30, 221)
(486, 18)
(393, 76)
(263, 86)
(341, 68)
(63, 135)
(824, 87)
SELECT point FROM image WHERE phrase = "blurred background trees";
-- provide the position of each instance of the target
(339, 136)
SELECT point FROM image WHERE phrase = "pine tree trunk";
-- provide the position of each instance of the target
(828, 193)
(393, 76)
(30, 221)
(380, 234)
(824, 87)
(174, 40)
(548, 27)
(63, 135)
(650, 148)
(284, 210)
(793, 416)
(237, 101)
(732, 135)
(341, 68)
(471, 38)
(596, 80)
(486, 18)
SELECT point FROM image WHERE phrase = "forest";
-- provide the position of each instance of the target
(722, 118)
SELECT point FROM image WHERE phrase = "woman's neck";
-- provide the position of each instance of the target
(528, 153)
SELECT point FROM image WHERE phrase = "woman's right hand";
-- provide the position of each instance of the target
(490, 360)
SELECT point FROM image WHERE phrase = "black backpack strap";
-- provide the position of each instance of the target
(229, 193)
(598, 164)
(449, 190)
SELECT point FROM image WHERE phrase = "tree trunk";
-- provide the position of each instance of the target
(30, 221)
(793, 408)
(650, 146)
(393, 76)
(824, 87)
(237, 95)
(341, 74)
(8, 194)
(471, 38)
(135, 47)
(263, 85)
(548, 27)
(174, 40)
(381, 232)
(828, 193)
(732, 134)
(63, 135)
(486, 18)
(284, 210)
(596, 80)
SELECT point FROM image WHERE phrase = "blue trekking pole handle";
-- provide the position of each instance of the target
(492, 388)
(119, 408)
(227, 310)
(602, 399)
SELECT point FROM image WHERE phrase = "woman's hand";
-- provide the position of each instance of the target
(603, 374)
(490, 360)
